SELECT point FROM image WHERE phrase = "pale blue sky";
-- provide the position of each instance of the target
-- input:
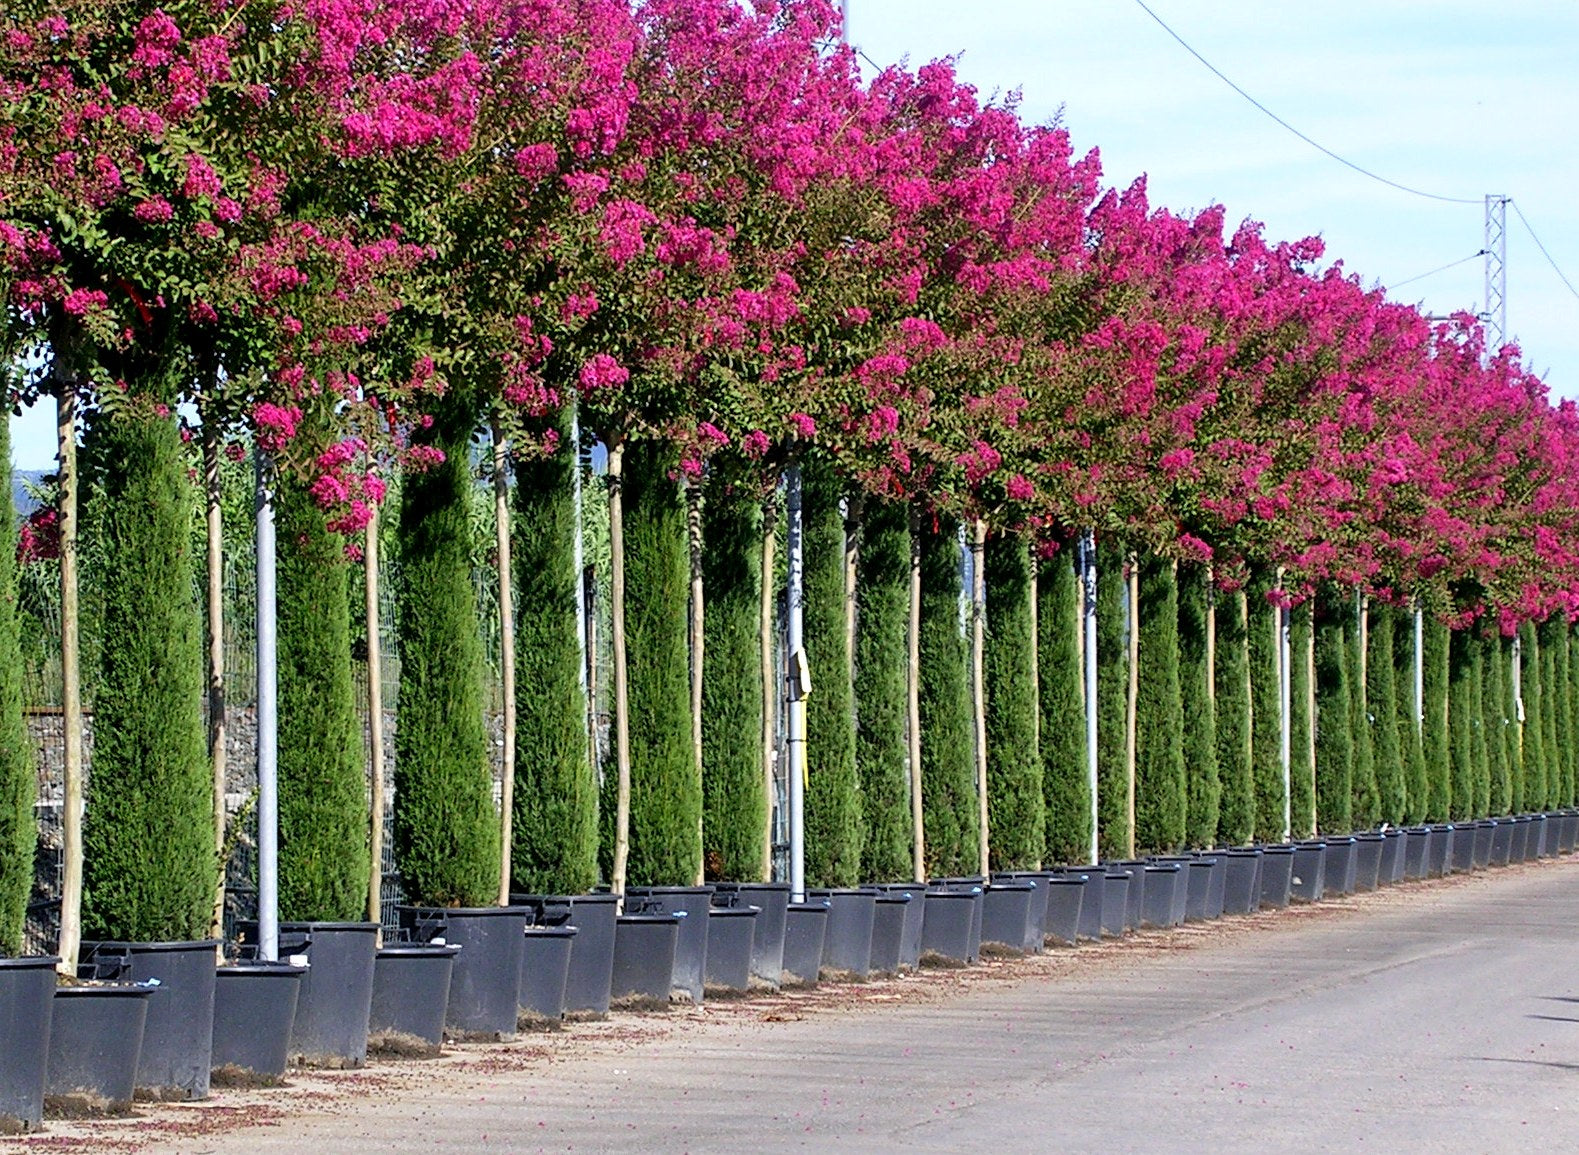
(1454, 97)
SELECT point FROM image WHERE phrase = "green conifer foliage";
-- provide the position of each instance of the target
(446, 833)
(835, 825)
(1434, 742)
(1334, 730)
(1362, 710)
(322, 780)
(1570, 788)
(1301, 774)
(883, 601)
(1461, 726)
(1203, 788)
(1553, 693)
(149, 870)
(1483, 653)
(1236, 824)
(1417, 783)
(1382, 690)
(1529, 778)
(948, 781)
(1495, 715)
(1113, 831)
(1265, 710)
(1065, 784)
(18, 784)
(1560, 792)
(1160, 789)
(666, 797)
(1014, 765)
(554, 829)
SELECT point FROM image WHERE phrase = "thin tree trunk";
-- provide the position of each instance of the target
(978, 696)
(216, 658)
(1132, 703)
(852, 560)
(1211, 638)
(1250, 698)
(913, 701)
(693, 531)
(501, 520)
(1310, 706)
(767, 639)
(375, 712)
(71, 678)
(622, 745)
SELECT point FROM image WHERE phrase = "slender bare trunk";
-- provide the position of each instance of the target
(1211, 639)
(1131, 704)
(978, 694)
(622, 745)
(1250, 698)
(216, 659)
(693, 529)
(852, 560)
(913, 701)
(767, 638)
(1310, 712)
(375, 713)
(1363, 606)
(501, 521)
(1036, 660)
(71, 679)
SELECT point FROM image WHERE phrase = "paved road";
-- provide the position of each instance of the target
(1437, 1019)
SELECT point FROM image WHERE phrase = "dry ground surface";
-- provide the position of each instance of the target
(1439, 1015)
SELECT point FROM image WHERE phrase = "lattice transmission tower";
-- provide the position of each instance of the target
(1495, 314)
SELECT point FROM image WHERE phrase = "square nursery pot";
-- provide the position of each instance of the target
(1036, 910)
(1439, 850)
(767, 935)
(1523, 825)
(587, 982)
(1277, 876)
(1480, 842)
(1116, 885)
(1091, 892)
(1416, 841)
(948, 933)
(254, 1009)
(336, 992)
(1569, 834)
(1342, 867)
(847, 943)
(545, 969)
(27, 995)
(1394, 856)
(1135, 896)
(1162, 884)
(179, 1034)
(1067, 895)
(95, 1040)
(1307, 883)
(1242, 881)
(1502, 841)
(690, 948)
(1181, 888)
(1462, 856)
(730, 930)
(889, 922)
(1368, 860)
(972, 883)
(915, 917)
(1205, 887)
(1006, 917)
(644, 950)
(805, 927)
(485, 980)
(1540, 824)
(411, 989)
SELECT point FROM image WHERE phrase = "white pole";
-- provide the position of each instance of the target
(268, 722)
(795, 688)
(1285, 686)
(1088, 586)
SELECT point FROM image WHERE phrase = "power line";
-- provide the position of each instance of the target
(1434, 272)
(1313, 144)
(1549, 259)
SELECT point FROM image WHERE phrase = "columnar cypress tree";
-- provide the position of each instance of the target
(1552, 695)
(1113, 832)
(148, 839)
(1066, 787)
(948, 777)
(446, 833)
(1363, 709)
(1461, 727)
(1480, 754)
(1417, 782)
(834, 822)
(1557, 793)
(554, 832)
(1265, 709)
(883, 607)
(1203, 789)
(1387, 758)
(1434, 744)
(1570, 789)
(1014, 765)
(18, 783)
(1529, 780)
(1236, 823)
(1495, 712)
(1159, 764)
(322, 783)
(1334, 731)
(666, 798)
(1302, 788)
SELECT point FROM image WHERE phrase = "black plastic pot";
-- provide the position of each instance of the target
(1502, 841)
(1115, 901)
(1539, 826)
(1307, 882)
(888, 929)
(27, 995)
(336, 992)
(1439, 850)
(179, 1035)
(971, 884)
(254, 1009)
(95, 1041)
(485, 983)
(1006, 916)
(915, 916)
(1521, 837)
(1277, 875)
(1569, 834)
(847, 943)
(1200, 877)
(690, 948)
(1480, 837)
(948, 933)
(1342, 867)
(1461, 857)
(644, 950)
(411, 989)
(767, 936)
(1416, 843)
(1066, 898)
(1135, 897)
(1162, 882)
(545, 968)
(1394, 844)
(805, 927)
(591, 974)
(1368, 860)
(730, 930)
(1181, 887)
(1035, 910)
(1242, 881)
(1090, 925)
